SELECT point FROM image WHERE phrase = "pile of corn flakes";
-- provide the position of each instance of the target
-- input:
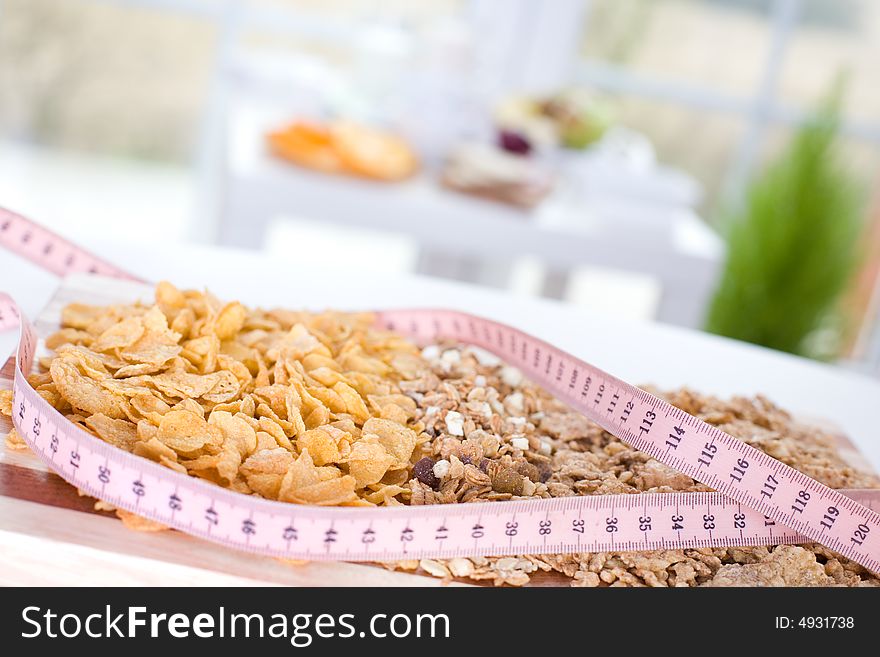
(292, 406)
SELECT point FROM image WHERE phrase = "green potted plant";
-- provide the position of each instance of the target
(792, 247)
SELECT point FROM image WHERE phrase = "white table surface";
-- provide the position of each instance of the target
(640, 352)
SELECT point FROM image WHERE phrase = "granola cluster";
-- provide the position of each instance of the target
(495, 436)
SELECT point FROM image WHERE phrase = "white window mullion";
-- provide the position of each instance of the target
(784, 20)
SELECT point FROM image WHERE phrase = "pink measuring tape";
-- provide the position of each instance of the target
(760, 501)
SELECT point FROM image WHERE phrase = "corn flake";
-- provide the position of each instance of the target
(369, 461)
(185, 432)
(399, 441)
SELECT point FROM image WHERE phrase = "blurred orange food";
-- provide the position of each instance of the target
(308, 145)
(345, 147)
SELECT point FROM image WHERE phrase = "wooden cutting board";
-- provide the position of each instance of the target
(50, 535)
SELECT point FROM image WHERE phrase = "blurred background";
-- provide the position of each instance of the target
(708, 163)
